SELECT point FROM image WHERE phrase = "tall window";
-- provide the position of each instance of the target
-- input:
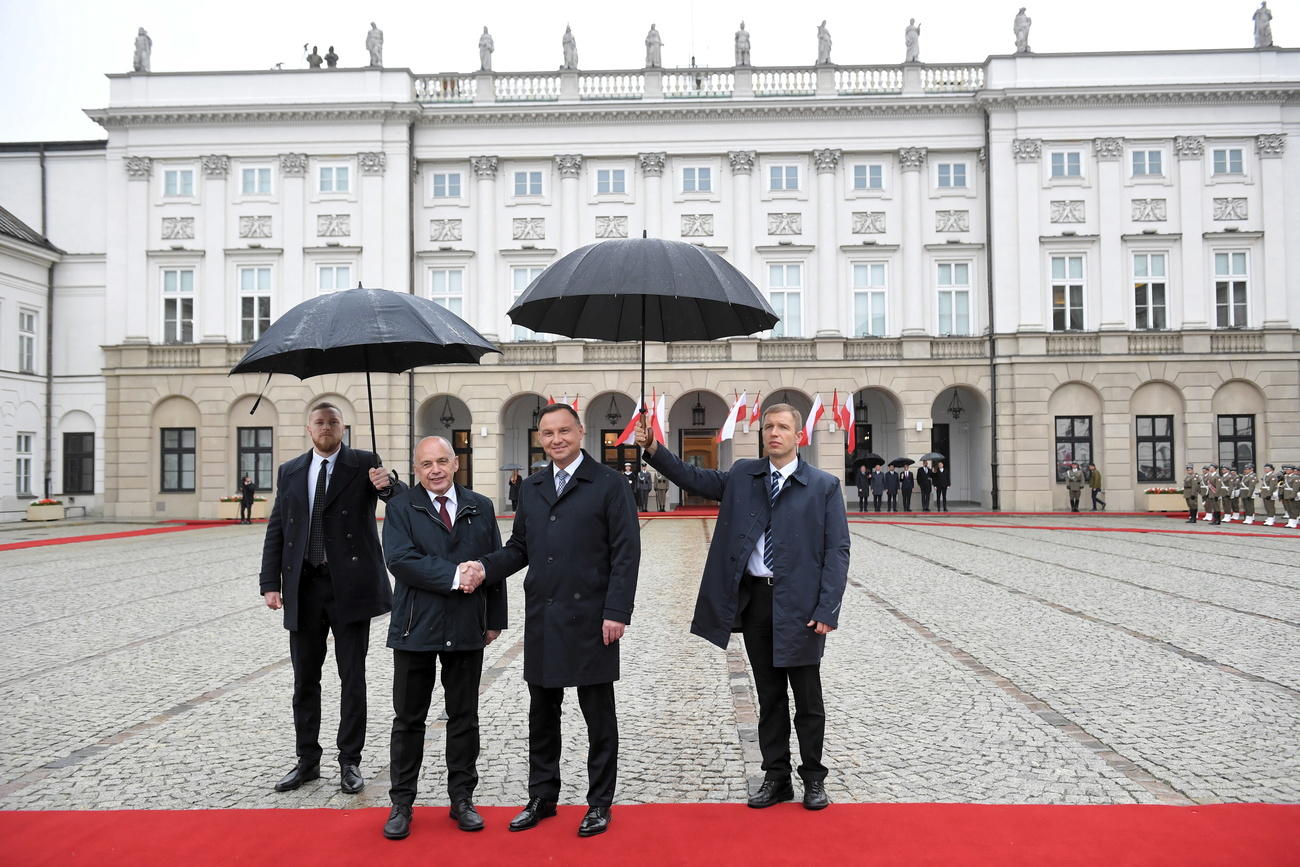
(446, 185)
(520, 277)
(954, 297)
(335, 179)
(23, 464)
(255, 456)
(254, 303)
(178, 182)
(528, 183)
(256, 182)
(697, 179)
(78, 463)
(869, 299)
(1149, 291)
(1236, 441)
(952, 175)
(1230, 283)
(1067, 293)
(1148, 164)
(610, 181)
(178, 458)
(1065, 164)
(1073, 442)
(1227, 161)
(331, 278)
(1155, 448)
(868, 176)
(785, 293)
(178, 305)
(446, 287)
(26, 341)
(782, 178)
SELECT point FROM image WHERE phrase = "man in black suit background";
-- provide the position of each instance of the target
(322, 563)
(925, 481)
(576, 531)
(891, 489)
(906, 482)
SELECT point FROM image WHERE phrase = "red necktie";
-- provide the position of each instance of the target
(442, 512)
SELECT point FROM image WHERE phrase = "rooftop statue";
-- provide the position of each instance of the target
(912, 37)
(143, 48)
(1263, 27)
(331, 59)
(375, 45)
(653, 49)
(742, 46)
(823, 44)
(570, 49)
(314, 59)
(1021, 28)
(485, 48)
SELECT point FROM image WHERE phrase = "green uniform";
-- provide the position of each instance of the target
(1249, 482)
(1228, 493)
(1269, 494)
(1291, 497)
(1191, 493)
(1210, 484)
(1074, 483)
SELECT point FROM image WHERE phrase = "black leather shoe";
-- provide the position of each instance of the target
(467, 818)
(595, 822)
(772, 792)
(398, 826)
(350, 779)
(814, 796)
(299, 775)
(533, 812)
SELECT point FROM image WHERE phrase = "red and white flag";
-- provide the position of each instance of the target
(574, 404)
(814, 415)
(628, 436)
(739, 410)
(835, 408)
(754, 413)
(659, 416)
(846, 423)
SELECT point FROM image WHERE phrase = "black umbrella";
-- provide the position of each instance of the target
(870, 459)
(932, 456)
(901, 462)
(509, 467)
(643, 289)
(537, 465)
(363, 330)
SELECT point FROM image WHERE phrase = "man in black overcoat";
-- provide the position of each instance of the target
(576, 531)
(891, 489)
(322, 563)
(906, 482)
(925, 481)
(438, 620)
(776, 572)
(863, 481)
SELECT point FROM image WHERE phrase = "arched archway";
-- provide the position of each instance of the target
(1238, 408)
(519, 423)
(1157, 409)
(252, 442)
(1074, 410)
(604, 418)
(877, 429)
(960, 431)
(77, 441)
(693, 423)
(447, 416)
(175, 421)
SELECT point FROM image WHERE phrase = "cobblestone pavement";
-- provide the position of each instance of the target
(998, 663)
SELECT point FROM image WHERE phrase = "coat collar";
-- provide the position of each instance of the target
(545, 477)
(801, 473)
(466, 503)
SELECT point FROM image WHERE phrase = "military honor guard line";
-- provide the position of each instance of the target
(1221, 494)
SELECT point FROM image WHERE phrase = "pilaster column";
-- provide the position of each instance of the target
(211, 306)
(1195, 304)
(293, 197)
(372, 166)
(1112, 302)
(1028, 153)
(569, 167)
(487, 310)
(1271, 150)
(139, 288)
(912, 163)
(829, 313)
(652, 170)
(742, 255)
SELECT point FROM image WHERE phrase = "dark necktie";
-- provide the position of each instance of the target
(442, 512)
(561, 479)
(769, 556)
(316, 535)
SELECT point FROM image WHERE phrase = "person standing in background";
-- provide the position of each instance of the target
(941, 488)
(891, 489)
(1094, 486)
(246, 498)
(906, 481)
(925, 481)
(1191, 491)
(877, 487)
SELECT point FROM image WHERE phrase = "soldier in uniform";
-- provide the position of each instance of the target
(1291, 495)
(1225, 494)
(661, 492)
(1074, 483)
(1191, 491)
(1249, 482)
(1210, 493)
(1269, 493)
(1231, 491)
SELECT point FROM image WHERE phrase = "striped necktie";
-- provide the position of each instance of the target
(769, 555)
(316, 528)
(561, 479)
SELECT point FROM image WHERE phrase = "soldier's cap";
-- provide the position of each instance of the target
(1190, 467)
(1269, 466)
(1209, 467)
(1250, 466)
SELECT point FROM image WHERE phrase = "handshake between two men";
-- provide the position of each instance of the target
(470, 577)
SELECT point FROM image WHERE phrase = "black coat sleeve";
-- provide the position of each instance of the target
(624, 553)
(269, 580)
(497, 612)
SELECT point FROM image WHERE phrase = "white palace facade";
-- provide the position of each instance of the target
(1011, 262)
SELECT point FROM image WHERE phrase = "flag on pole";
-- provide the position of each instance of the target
(814, 415)
(753, 414)
(846, 416)
(550, 399)
(835, 408)
(628, 436)
(659, 416)
(575, 403)
(739, 410)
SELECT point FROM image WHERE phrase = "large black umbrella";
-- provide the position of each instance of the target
(870, 459)
(643, 289)
(932, 456)
(901, 462)
(363, 330)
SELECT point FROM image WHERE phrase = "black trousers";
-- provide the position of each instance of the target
(1096, 498)
(414, 673)
(246, 510)
(925, 499)
(893, 501)
(544, 741)
(773, 685)
(307, 652)
(907, 501)
(1074, 500)
(862, 502)
(941, 499)
(876, 498)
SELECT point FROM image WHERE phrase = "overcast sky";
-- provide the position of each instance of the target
(55, 52)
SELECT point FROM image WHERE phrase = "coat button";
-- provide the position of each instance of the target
(550, 559)
(349, 535)
(548, 602)
(345, 511)
(751, 514)
(448, 644)
(291, 544)
(355, 558)
(552, 517)
(577, 595)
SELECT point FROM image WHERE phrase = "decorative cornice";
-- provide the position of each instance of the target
(293, 165)
(826, 160)
(215, 166)
(1027, 150)
(742, 162)
(911, 159)
(1108, 148)
(652, 164)
(1189, 147)
(1271, 144)
(485, 168)
(250, 114)
(138, 168)
(372, 162)
(568, 165)
(1094, 97)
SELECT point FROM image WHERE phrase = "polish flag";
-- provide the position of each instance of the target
(550, 399)
(575, 403)
(846, 422)
(814, 415)
(659, 416)
(754, 413)
(835, 408)
(628, 436)
(739, 410)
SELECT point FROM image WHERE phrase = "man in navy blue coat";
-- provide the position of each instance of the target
(776, 572)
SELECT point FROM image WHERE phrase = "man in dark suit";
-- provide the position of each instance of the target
(925, 481)
(322, 562)
(643, 485)
(941, 483)
(776, 572)
(906, 482)
(891, 489)
(877, 487)
(862, 480)
(576, 531)
(438, 618)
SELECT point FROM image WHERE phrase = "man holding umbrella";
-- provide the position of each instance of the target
(925, 481)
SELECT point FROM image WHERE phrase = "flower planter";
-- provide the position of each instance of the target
(45, 513)
(230, 511)
(1166, 503)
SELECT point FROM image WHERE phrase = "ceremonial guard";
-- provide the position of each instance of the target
(1249, 482)
(1210, 493)
(1270, 484)
(1191, 491)
(1231, 493)
(1290, 490)
(1074, 483)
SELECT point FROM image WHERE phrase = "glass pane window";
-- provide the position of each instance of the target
(178, 182)
(256, 182)
(254, 457)
(1155, 448)
(178, 458)
(1236, 441)
(1231, 284)
(520, 277)
(23, 464)
(953, 279)
(446, 185)
(782, 178)
(610, 182)
(78, 463)
(868, 176)
(697, 179)
(446, 287)
(1073, 443)
(1227, 161)
(528, 183)
(1149, 291)
(1065, 164)
(952, 175)
(178, 305)
(1148, 164)
(869, 293)
(785, 293)
(26, 340)
(331, 278)
(1067, 293)
(335, 179)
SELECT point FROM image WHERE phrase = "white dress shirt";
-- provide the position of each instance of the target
(570, 469)
(314, 471)
(450, 494)
(756, 566)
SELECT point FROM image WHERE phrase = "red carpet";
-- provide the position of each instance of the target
(177, 527)
(1286, 534)
(1260, 835)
